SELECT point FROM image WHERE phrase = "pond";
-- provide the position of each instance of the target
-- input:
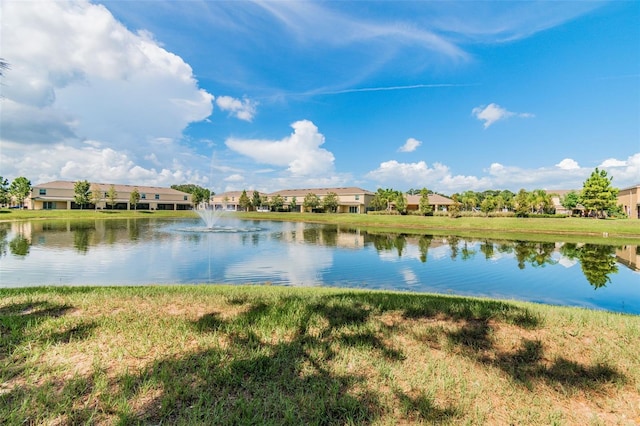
(155, 251)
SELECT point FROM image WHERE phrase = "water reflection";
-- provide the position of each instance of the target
(289, 253)
(598, 262)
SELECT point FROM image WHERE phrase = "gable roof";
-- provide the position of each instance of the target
(63, 184)
(351, 190)
(434, 199)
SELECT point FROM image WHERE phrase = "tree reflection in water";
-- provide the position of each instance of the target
(597, 261)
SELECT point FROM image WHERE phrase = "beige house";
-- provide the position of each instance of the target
(350, 199)
(629, 199)
(230, 200)
(557, 195)
(440, 203)
(61, 195)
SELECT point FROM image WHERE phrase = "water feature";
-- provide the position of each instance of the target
(210, 216)
(157, 251)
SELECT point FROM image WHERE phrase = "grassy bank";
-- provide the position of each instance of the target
(606, 231)
(274, 355)
(13, 215)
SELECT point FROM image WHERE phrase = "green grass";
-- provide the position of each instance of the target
(13, 215)
(276, 355)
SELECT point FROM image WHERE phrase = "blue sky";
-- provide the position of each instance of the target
(270, 95)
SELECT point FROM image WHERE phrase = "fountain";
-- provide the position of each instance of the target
(208, 214)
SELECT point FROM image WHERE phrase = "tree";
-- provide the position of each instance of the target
(112, 195)
(311, 201)
(330, 202)
(489, 204)
(507, 199)
(521, 203)
(244, 201)
(198, 193)
(81, 193)
(469, 200)
(597, 193)
(4, 191)
(293, 204)
(400, 202)
(570, 201)
(277, 202)
(454, 209)
(96, 195)
(256, 200)
(134, 198)
(424, 206)
(378, 202)
(540, 201)
(20, 189)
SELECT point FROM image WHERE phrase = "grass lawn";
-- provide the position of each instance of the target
(277, 355)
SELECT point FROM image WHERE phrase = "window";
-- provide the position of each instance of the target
(157, 197)
(357, 197)
(143, 196)
(353, 209)
(49, 205)
(43, 191)
(185, 198)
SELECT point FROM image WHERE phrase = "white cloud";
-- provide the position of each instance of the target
(300, 151)
(244, 109)
(498, 176)
(44, 163)
(77, 74)
(410, 145)
(494, 112)
(625, 172)
(612, 162)
(234, 178)
(568, 164)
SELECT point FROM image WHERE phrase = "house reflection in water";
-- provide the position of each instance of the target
(629, 256)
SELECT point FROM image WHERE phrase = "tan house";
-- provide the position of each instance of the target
(61, 195)
(557, 195)
(350, 199)
(629, 199)
(230, 200)
(439, 202)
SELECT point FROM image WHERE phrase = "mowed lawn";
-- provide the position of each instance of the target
(275, 355)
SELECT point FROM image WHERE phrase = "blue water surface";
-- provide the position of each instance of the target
(153, 251)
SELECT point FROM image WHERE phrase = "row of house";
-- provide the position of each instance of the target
(350, 199)
(61, 195)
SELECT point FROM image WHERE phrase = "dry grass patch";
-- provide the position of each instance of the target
(238, 355)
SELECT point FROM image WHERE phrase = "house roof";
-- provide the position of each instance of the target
(352, 190)
(63, 184)
(230, 194)
(434, 199)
